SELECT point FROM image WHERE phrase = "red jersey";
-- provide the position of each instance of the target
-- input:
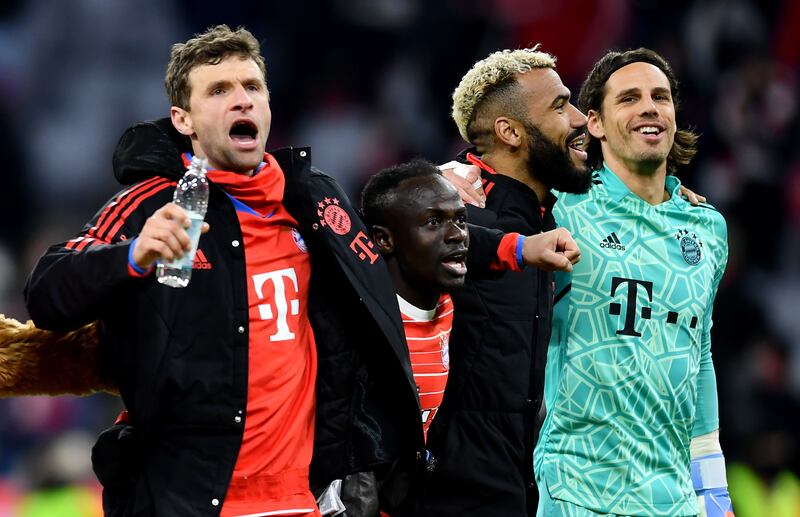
(428, 337)
(271, 472)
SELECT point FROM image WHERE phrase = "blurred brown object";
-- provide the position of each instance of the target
(39, 362)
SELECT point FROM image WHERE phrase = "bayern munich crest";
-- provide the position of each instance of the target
(333, 216)
(446, 352)
(298, 240)
(691, 246)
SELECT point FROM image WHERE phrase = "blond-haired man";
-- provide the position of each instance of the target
(527, 137)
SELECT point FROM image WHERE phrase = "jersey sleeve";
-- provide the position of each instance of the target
(707, 407)
(492, 250)
(74, 280)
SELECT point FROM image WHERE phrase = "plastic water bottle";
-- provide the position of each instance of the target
(191, 194)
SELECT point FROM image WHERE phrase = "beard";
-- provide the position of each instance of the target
(553, 165)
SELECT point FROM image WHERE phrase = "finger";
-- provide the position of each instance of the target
(467, 180)
(173, 212)
(205, 227)
(556, 262)
(176, 239)
(700, 198)
(574, 256)
(466, 191)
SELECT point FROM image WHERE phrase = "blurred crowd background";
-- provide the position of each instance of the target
(367, 83)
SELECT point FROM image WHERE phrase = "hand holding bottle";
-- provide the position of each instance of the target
(164, 236)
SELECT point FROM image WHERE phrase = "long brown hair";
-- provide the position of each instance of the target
(593, 91)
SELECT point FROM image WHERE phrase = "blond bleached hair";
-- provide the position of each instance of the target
(490, 74)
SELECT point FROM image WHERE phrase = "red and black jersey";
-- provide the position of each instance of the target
(271, 472)
(428, 337)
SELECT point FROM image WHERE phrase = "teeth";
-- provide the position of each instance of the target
(577, 143)
(649, 130)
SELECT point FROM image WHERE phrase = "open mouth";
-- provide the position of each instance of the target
(456, 263)
(649, 130)
(244, 132)
(578, 145)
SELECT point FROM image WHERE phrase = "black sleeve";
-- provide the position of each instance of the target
(483, 244)
(74, 281)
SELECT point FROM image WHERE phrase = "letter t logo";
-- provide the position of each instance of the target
(282, 304)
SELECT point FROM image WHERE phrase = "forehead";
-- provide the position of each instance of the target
(642, 76)
(231, 68)
(541, 86)
(415, 194)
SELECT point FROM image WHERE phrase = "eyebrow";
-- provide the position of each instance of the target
(217, 84)
(628, 91)
(563, 97)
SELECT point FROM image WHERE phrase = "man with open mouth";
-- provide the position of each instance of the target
(528, 139)
(228, 412)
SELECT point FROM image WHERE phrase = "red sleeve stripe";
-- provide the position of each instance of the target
(116, 212)
(82, 242)
(133, 205)
(114, 205)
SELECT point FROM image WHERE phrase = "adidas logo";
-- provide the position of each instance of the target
(200, 261)
(612, 242)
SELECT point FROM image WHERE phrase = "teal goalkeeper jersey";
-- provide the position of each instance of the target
(629, 377)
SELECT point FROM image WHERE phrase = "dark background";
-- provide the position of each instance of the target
(367, 83)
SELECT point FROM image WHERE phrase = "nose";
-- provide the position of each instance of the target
(455, 232)
(577, 119)
(242, 99)
(648, 106)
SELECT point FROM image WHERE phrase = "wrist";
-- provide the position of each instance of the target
(133, 269)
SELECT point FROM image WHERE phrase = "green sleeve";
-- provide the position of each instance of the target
(706, 417)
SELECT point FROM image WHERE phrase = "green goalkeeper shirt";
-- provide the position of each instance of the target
(629, 377)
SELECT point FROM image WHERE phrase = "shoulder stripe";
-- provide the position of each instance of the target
(158, 188)
(706, 206)
(116, 218)
(117, 203)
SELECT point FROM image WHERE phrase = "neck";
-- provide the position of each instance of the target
(424, 299)
(214, 165)
(645, 180)
(514, 165)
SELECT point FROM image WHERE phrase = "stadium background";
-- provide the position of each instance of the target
(366, 83)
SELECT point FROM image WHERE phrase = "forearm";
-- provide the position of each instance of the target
(68, 289)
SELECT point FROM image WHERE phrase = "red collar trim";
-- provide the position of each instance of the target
(474, 160)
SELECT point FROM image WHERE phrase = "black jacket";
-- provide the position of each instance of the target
(179, 356)
(484, 434)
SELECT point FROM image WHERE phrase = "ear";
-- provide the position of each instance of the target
(508, 131)
(594, 123)
(382, 236)
(182, 120)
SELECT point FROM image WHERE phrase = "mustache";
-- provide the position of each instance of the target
(575, 133)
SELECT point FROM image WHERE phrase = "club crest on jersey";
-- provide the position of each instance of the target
(446, 351)
(691, 246)
(333, 216)
(298, 240)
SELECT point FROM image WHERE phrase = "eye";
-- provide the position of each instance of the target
(217, 91)
(433, 221)
(462, 219)
(628, 99)
(253, 88)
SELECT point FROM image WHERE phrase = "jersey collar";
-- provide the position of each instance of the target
(617, 189)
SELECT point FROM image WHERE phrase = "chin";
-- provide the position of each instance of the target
(451, 284)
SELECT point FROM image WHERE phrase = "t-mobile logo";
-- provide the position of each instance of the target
(283, 305)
